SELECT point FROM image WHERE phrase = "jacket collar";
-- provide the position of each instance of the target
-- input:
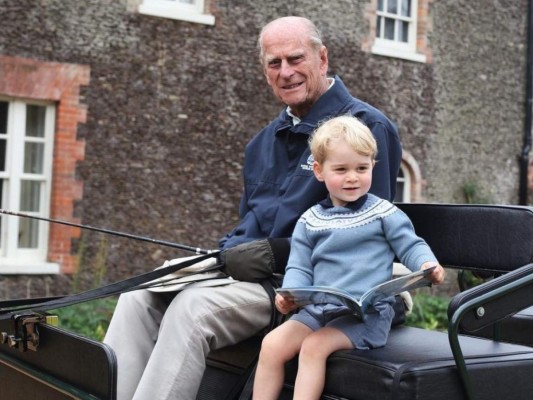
(326, 106)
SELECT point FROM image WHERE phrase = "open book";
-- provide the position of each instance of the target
(321, 294)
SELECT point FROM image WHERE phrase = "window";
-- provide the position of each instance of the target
(26, 150)
(403, 186)
(55, 88)
(409, 181)
(397, 29)
(185, 10)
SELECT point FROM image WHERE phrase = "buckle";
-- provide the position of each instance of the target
(25, 334)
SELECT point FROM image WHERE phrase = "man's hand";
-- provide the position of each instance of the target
(257, 260)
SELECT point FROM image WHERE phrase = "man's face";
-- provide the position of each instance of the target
(294, 69)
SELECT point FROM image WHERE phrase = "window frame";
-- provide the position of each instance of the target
(412, 179)
(404, 181)
(173, 9)
(12, 258)
(395, 48)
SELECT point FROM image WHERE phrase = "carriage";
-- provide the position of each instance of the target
(486, 354)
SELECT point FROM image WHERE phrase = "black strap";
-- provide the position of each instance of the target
(270, 286)
(248, 387)
(20, 303)
(11, 307)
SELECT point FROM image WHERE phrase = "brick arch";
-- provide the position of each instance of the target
(58, 82)
(415, 177)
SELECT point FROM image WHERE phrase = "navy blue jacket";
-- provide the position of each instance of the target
(279, 184)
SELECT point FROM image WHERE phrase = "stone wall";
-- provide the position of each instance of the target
(479, 74)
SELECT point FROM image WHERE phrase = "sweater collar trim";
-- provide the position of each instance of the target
(353, 205)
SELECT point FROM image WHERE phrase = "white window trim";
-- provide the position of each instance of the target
(406, 179)
(389, 48)
(12, 259)
(393, 48)
(179, 11)
(9, 266)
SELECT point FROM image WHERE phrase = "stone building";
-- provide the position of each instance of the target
(132, 115)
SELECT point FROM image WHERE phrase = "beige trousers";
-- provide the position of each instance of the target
(161, 348)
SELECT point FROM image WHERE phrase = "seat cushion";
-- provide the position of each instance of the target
(418, 364)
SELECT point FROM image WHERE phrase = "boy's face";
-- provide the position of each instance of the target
(346, 173)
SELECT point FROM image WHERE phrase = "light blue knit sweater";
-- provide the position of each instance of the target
(353, 247)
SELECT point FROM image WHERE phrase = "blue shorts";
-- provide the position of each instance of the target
(370, 334)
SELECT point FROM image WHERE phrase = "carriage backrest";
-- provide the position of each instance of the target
(495, 238)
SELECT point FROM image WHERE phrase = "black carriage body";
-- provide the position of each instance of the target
(63, 366)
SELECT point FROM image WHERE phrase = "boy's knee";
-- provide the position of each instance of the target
(269, 343)
(274, 347)
(311, 347)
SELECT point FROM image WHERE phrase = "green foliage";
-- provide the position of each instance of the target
(95, 266)
(469, 279)
(100, 261)
(89, 319)
(474, 194)
(429, 312)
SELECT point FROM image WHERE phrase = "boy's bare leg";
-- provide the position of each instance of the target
(314, 352)
(278, 347)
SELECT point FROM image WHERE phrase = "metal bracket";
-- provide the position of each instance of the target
(25, 334)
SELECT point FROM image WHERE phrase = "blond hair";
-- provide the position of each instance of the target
(347, 128)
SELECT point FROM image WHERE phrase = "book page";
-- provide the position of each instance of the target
(396, 286)
(320, 295)
(330, 295)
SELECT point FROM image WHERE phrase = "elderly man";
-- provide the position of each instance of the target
(162, 345)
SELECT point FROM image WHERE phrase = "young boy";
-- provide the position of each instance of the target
(347, 241)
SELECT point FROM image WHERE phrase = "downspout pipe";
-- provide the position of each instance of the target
(524, 158)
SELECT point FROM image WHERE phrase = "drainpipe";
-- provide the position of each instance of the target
(524, 159)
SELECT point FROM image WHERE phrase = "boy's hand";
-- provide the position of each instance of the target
(284, 305)
(437, 276)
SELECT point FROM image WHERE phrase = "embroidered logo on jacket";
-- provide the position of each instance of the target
(309, 165)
